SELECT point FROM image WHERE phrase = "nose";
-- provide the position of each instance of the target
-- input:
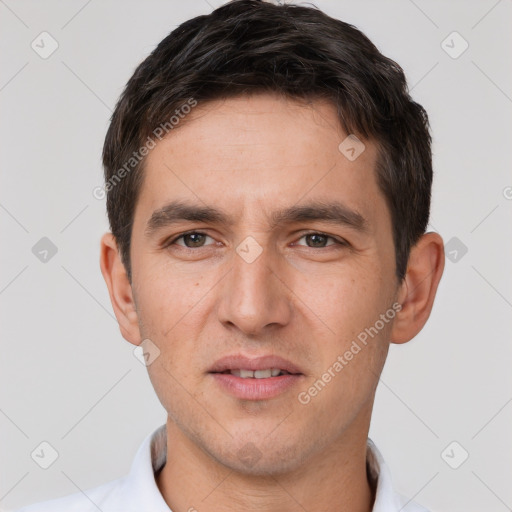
(253, 296)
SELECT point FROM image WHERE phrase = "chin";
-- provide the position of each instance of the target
(263, 458)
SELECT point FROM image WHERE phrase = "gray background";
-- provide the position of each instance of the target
(67, 375)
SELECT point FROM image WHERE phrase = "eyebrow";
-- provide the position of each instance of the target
(331, 212)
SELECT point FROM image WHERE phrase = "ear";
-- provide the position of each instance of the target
(418, 289)
(119, 288)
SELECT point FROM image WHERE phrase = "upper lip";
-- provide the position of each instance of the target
(241, 362)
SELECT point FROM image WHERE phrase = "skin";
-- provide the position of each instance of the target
(303, 299)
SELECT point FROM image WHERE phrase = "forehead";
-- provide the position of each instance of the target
(254, 153)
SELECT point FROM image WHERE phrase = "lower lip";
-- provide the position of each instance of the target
(255, 389)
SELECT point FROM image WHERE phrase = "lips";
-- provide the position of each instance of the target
(256, 378)
(238, 362)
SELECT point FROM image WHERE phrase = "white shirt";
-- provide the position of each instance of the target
(138, 492)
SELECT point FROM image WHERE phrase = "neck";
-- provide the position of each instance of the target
(333, 479)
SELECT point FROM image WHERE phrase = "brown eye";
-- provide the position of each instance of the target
(191, 240)
(319, 240)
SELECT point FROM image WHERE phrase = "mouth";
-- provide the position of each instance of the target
(259, 378)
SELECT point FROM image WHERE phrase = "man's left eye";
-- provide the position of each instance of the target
(319, 240)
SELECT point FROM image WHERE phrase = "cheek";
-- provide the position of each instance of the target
(172, 308)
(347, 299)
(167, 295)
(347, 308)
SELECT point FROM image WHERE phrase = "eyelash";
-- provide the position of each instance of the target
(172, 241)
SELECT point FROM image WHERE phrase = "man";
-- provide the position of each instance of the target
(268, 185)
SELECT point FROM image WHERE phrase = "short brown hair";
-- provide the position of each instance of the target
(249, 46)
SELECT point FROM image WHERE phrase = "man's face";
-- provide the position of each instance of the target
(302, 289)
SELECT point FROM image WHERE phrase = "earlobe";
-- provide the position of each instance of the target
(119, 289)
(418, 289)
